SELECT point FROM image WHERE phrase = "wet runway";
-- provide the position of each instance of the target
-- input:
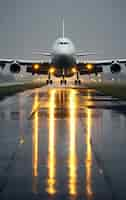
(62, 144)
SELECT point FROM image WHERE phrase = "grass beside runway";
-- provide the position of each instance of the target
(113, 89)
(9, 90)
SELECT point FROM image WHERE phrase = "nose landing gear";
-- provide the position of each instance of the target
(63, 82)
(78, 82)
(49, 82)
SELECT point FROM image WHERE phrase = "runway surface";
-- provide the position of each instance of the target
(62, 143)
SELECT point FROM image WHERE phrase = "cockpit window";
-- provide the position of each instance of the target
(63, 43)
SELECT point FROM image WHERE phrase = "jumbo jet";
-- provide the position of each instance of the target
(64, 62)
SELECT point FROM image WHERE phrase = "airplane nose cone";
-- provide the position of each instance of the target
(63, 46)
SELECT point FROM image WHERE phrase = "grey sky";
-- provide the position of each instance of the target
(93, 25)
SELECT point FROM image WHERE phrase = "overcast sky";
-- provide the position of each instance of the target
(93, 25)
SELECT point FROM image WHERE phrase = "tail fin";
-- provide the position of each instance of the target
(63, 27)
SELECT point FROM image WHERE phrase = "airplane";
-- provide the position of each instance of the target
(64, 62)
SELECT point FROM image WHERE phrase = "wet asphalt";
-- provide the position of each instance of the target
(62, 143)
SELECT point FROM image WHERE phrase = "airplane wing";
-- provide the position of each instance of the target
(32, 66)
(6, 61)
(3, 62)
(82, 54)
(96, 66)
(42, 67)
(29, 62)
(105, 62)
(42, 53)
(20, 61)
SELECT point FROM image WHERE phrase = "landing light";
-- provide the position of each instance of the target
(52, 70)
(36, 66)
(89, 66)
(74, 70)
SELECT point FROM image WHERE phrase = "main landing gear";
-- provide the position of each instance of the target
(49, 80)
(77, 81)
(63, 81)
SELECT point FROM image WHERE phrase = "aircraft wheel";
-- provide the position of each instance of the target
(65, 82)
(51, 82)
(79, 81)
(47, 82)
(75, 82)
(61, 82)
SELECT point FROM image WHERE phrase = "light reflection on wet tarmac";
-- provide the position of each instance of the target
(72, 162)
(88, 159)
(60, 131)
(35, 144)
(51, 179)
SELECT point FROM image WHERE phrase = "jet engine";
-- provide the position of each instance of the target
(115, 67)
(15, 67)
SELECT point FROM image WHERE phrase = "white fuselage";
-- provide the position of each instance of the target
(63, 53)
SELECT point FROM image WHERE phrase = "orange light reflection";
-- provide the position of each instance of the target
(72, 145)
(88, 160)
(35, 143)
(51, 146)
(22, 138)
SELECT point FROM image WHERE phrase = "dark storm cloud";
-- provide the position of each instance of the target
(94, 25)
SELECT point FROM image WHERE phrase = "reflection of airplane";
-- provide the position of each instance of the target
(64, 62)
